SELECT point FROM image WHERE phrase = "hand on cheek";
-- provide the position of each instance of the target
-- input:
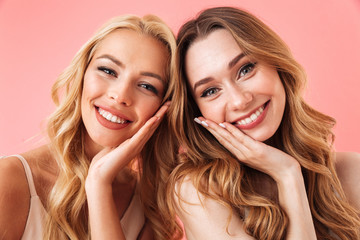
(108, 162)
(253, 153)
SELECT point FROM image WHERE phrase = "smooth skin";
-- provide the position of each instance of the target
(126, 78)
(102, 173)
(229, 87)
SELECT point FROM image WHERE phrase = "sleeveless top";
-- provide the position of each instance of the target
(36, 218)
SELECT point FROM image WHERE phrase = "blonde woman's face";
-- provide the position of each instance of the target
(123, 86)
(229, 86)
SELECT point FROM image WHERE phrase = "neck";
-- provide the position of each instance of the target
(91, 148)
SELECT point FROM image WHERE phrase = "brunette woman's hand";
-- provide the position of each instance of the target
(282, 167)
(255, 154)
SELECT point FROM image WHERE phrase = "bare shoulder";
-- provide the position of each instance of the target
(204, 217)
(185, 191)
(44, 170)
(14, 198)
(14, 189)
(348, 167)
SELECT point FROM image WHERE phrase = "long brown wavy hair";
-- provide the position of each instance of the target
(67, 209)
(304, 133)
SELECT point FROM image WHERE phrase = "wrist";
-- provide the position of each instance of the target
(290, 175)
(96, 186)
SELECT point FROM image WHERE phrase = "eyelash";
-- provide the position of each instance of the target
(207, 92)
(245, 67)
(212, 90)
(149, 87)
(111, 72)
(108, 71)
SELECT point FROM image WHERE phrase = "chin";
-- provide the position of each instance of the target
(111, 143)
(261, 136)
(107, 141)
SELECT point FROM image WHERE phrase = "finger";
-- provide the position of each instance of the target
(252, 150)
(240, 135)
(226, 132)
(139, 139)
(162, 110)
(101, 154)
(236, 148)
(153, 122)
(150, 126)
(225, 138)
(120, 156)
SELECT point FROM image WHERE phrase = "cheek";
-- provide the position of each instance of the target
(93, 87)
(212, 111)
(148, 109)
(86, 93)
(83, 100)
(86, 88)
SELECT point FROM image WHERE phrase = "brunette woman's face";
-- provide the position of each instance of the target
(123, 86)
(229, 86)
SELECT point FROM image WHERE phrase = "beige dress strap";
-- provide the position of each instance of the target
(133, 219)
(29, 176)
(36, 219)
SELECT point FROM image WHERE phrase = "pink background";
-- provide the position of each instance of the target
(38, 39)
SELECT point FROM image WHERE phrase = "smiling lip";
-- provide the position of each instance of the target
(109, 119)
(253, 119)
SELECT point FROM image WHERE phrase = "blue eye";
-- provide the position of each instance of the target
(108, 71)
(209, 92)
(246, 69)
(149, 87)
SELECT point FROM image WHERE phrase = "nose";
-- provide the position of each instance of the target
(121, 92)
(238, 99)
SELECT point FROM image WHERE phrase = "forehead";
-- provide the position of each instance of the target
(217, 48)
(126, 38)
(131, 47)
(215, 45)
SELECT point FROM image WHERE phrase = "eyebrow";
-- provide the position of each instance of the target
(201, 82)
(235, 60)
(231, 64)
(120, 64)
(111, 58)
(153, 75)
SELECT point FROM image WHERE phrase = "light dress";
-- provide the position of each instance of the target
(36, 219)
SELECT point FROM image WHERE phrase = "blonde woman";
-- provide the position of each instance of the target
(110, 102)
(257, 161)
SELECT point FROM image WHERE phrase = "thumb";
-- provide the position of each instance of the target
(102, 153)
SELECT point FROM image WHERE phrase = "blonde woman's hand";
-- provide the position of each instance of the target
(105, 166)
(107, 163)
(255, 154)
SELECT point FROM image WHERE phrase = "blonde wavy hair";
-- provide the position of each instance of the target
(304, 133)
(67, 209)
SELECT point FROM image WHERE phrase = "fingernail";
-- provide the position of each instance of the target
(222, 125)
(204, 123)
(197, 120)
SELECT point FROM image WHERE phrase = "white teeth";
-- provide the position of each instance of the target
(252, 118)
(112, 118)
